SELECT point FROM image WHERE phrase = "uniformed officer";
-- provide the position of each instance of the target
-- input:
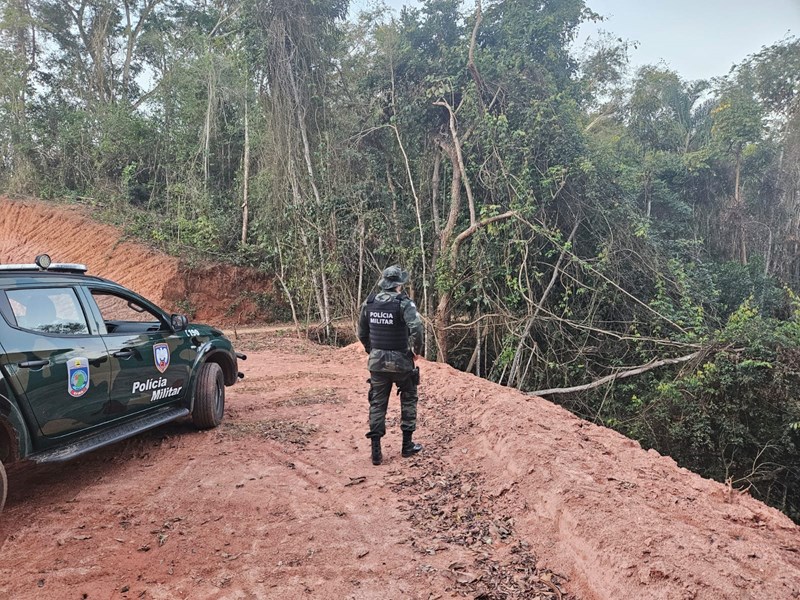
(391, 331)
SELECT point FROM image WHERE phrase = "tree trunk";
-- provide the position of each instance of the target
(437, 230)
(132, 33)
(210, 88)
(310, 259)
(478, 345)
(739, 211)
(23, 35)
(395, 219)
(362, 233)
(436, 180)
(418, 211)
(442, 314)
(245, 175)
(471, 66)
(282, 279)
(301, 124)
(460, 161)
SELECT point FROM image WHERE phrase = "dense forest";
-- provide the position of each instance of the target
(568, 223)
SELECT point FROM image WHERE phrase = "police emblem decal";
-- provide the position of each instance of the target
(77, 376)
(161, 355)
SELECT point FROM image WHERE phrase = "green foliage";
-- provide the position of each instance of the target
(738, 121)
(731, 417)
(740, 283)
(660, 109)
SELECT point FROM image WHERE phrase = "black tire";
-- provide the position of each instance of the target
(3, 486)
(209, 397)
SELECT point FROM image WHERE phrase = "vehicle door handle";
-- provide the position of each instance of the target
(123, 354)
(34, 364)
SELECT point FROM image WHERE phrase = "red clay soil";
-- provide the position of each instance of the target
(512, 498)
(210, 293)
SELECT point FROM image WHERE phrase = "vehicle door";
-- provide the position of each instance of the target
(150, 364)
(54, 360)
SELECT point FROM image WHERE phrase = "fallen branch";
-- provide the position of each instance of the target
(619, 375)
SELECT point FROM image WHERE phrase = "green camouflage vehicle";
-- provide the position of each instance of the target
(85, 362)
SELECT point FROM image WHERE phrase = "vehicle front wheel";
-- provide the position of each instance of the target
(209, 397)
(3, 486)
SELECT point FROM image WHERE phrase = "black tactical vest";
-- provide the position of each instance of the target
(387, 328)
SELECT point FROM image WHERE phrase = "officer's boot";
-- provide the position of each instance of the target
(409, 447)
(377, 455)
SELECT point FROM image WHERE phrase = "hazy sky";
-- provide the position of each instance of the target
(697, 38)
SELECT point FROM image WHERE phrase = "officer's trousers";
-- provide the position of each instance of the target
(380, 390)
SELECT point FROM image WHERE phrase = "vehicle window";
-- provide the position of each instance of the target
(122, 314)
(55, 310)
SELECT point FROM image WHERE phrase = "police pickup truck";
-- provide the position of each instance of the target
(85, 362)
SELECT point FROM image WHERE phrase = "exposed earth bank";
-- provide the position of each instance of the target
(218, 294)
(512, 497)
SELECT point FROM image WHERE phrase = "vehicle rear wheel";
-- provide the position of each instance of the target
(209, 397)
(3, 486)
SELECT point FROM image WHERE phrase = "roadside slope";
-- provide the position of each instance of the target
(211, 293)
(619, 521)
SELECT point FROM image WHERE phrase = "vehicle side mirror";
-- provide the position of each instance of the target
(179, 322)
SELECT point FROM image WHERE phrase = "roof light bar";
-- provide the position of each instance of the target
(44, 263)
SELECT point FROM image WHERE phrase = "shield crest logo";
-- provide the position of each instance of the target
(161, 355)
(77, 376)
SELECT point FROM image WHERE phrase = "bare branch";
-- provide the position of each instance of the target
(460, 159)
(585, 264)
(618, 375)
(472, 229)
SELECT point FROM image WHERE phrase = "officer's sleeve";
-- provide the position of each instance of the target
(363, 328)
(416, 329)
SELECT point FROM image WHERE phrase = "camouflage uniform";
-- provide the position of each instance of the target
(391, 331)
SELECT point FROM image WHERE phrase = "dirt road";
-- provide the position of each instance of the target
(512, 498)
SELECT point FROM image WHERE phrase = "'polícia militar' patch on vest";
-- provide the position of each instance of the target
(381, 318)
(387, 328)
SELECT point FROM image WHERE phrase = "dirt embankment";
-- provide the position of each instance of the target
(221, 295)
(512, 498)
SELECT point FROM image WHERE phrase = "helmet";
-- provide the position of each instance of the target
(392, 277)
